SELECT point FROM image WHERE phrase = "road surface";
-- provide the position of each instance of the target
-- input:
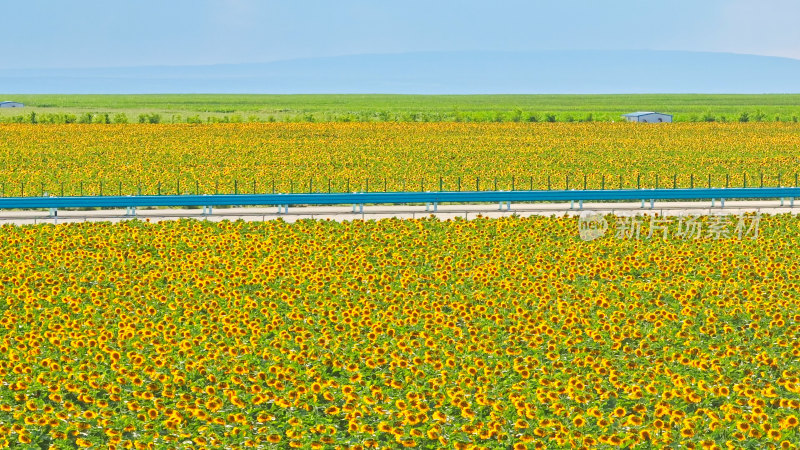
(376, 212)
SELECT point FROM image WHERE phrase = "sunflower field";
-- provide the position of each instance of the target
(134, 159)
(502, 333)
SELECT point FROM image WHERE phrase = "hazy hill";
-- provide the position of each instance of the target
(438, 73)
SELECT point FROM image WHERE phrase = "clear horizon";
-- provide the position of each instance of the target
(91, 33)
(380, 54)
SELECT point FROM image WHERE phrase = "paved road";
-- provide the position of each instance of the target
(376, 212)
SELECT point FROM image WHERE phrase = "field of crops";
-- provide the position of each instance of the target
(168, 159)
(419, 333)
(397, 108)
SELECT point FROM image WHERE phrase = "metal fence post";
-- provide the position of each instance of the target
(777, 192)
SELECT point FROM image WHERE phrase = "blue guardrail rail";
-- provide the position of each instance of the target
(361, 198)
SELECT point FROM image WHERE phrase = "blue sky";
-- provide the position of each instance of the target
(92, 33)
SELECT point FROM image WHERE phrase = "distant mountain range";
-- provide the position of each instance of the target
(541, 72)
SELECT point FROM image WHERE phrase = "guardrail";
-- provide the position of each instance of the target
(429, 198)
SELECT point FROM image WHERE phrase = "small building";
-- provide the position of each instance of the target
(648, 116)
(11, 105)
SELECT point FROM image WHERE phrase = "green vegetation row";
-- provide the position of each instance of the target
(205, 108)
(498, 116)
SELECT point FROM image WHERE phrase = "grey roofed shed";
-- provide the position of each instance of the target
(648, 116)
